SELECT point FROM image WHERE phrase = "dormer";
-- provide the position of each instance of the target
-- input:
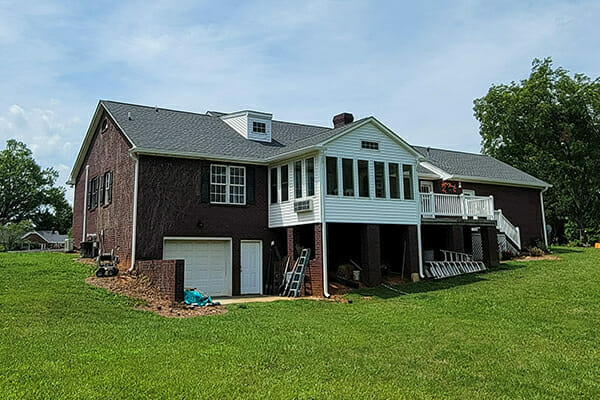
(253, 125)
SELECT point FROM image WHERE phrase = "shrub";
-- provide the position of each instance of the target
(536, 252)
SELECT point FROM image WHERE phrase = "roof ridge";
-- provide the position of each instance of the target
(452, 151)
(301, 124)
(155, 107)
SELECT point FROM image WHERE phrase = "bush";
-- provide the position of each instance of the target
(536, 252)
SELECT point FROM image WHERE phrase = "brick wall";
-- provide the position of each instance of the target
(313, 281)
(166, 275)
(108, 151)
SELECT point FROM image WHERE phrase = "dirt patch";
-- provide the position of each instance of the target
(531, 258)
(140, 287)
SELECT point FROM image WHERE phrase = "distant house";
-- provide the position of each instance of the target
(46, 239)
(217, 189)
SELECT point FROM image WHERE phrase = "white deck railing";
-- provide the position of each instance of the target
(452, 205)
(505, 226)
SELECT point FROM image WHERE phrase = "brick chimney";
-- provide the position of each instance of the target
(342, 119)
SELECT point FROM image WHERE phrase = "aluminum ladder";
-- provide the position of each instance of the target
(297, 279)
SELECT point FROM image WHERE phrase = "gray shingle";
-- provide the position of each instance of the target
(179, 131)
(459, 163)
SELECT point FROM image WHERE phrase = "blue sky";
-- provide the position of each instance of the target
(416, 66)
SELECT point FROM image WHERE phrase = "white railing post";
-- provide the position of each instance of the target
(463, 206)
(491, 208)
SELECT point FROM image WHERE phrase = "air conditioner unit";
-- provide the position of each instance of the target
(303, 205)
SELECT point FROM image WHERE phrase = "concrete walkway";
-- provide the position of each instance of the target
(255, 299)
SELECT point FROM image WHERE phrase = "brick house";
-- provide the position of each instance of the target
(221, 191)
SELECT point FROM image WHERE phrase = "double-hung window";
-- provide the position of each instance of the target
(227, 184)
(310, 176)
(298, 179)
(394, 180)
(408, 181)
(274, 185)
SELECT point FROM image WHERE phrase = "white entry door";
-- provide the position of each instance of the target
(251, 265)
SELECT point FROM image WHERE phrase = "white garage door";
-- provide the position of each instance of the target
(207, 264)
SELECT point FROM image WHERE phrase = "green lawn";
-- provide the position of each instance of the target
(528, 330)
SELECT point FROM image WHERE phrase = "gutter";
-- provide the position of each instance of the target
(135, 202)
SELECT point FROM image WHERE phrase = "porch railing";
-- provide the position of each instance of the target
(452, 205)
(505, 226)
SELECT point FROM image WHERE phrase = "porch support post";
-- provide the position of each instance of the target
(456, 241)
(371, 254)
(489, 244)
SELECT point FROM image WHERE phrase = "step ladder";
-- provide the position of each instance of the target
(296, 280)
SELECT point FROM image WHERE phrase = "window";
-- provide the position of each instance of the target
(379, 179)
(218, 184)
(394, 180)
(104, 125)
(332, 175)
(273, 185)
(284, 183)
(259, 127)
(408, 181)
(108, 184)
(309, 164)
(363, 178)
(227, 184)
(237, 185)
(369, 145)
(93, 193)
(298, 179)
(101, 191)
(348, 176)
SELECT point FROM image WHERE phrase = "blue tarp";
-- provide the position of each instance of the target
(193, 297)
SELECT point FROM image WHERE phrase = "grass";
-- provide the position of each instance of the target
(527, 330)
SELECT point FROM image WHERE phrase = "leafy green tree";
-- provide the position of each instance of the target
(549, 126)
(27, 191)
(11, 233)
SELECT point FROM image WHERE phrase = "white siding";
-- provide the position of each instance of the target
(282, 214)
(355, 209)
(239, 124)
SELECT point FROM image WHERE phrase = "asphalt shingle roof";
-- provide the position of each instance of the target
(459, 163)
(49, 236)
(179, 131)
(206, 134)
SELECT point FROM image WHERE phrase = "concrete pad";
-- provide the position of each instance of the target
(251, 299)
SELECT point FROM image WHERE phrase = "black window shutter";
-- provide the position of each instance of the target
(110, 186)
(101, 191)
(205, 184)
(250, 185)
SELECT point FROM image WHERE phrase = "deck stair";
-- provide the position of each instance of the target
(454, 264)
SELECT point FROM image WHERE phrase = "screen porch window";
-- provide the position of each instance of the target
(273, 185)
(309, 165)
(348, 176)
(227, 184)
(363, 178)
(285, 194)
(379, 179)
(298, 179)
(332, 175)
(408, 181)
(394, 171)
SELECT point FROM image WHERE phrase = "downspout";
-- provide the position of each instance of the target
(417, 197)
(544, 216)
(85, 195)
(323, 225)
(135, 201)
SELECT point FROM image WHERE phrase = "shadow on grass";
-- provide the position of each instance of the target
(566, 250)
(432, 285)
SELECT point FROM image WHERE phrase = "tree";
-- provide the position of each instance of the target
(11, 233)
(27, 191)
(549, 126)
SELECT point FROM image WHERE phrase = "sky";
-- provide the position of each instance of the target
(415, 66)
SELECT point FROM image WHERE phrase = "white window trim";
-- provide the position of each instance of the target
(228, 184)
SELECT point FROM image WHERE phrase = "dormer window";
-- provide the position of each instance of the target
(259, 127)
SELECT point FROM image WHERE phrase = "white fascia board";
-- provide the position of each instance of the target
(193, 155)
(256, 114)
(437, 171)
(491, 181)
